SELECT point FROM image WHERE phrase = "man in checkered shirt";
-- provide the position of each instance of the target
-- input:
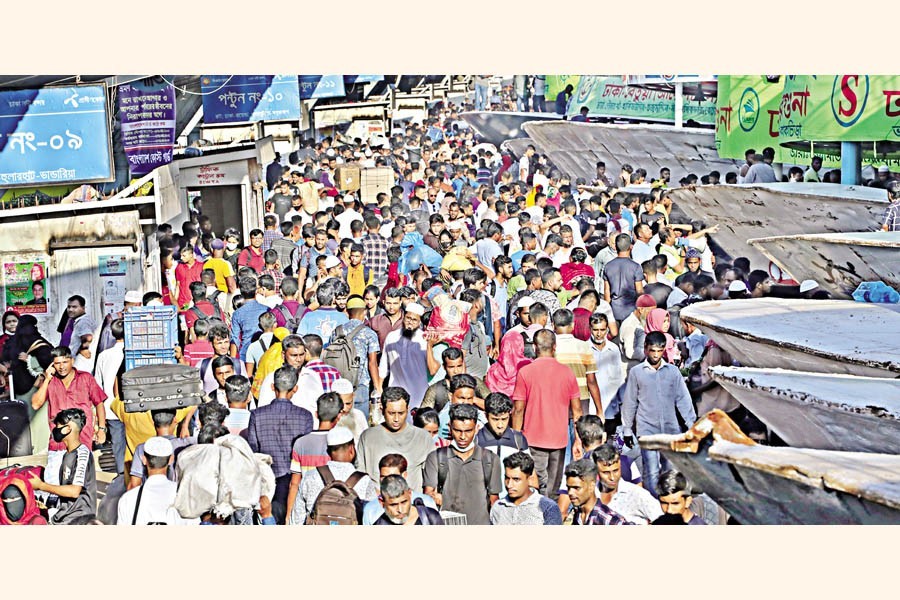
(892, 214)
(316, 377)
(376, 247)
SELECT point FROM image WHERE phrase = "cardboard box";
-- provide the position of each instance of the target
(375, 181)
(347, 177)
(309, 195)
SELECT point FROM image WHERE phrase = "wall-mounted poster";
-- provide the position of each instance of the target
(26, 287)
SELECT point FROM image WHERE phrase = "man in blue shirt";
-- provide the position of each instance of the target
(653, 392)
(391, 464)
(245, 320)
(325, 319)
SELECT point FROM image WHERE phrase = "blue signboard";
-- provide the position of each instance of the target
(321, 86)
(243, 98)
(54, 135)
(351, 79)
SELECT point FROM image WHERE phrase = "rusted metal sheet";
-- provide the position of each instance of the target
(575, 148)
(818, 410)
(764, 485)
(839, 262)
(820, 336)
(752, 211)
(497, 127)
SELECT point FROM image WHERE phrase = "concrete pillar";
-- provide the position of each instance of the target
(851, 163)
(679, 104)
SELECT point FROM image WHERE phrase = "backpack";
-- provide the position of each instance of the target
(338, 503)
(366, 272)
(18, 505)
(530, 349)
(292, 322)
(487, 465)
(217, 311)
(341, 354)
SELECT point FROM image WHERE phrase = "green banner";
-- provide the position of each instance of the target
(747, 109)
(610, 97)
(557, 83)
(841, 108)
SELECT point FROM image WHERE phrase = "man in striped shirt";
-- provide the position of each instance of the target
(316, 377)
(311, 450)
(587, 509)
(892, 213)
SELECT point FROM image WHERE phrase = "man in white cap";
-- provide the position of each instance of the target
(810, 289)
(151, 502)
(737, 290)
(341, 449)
(404, 356)
(132, 298)
(351, 418)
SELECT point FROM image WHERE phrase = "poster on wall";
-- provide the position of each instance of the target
(25, 285)
(113, 268)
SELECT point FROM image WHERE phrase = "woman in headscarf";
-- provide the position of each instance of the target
(10, 320)
(29, 356)
(658, 320)
(501, 376)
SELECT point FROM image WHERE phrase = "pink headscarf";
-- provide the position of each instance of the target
(501, 376)
(655, 321)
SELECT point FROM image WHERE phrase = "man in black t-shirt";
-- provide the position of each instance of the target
(77, 489)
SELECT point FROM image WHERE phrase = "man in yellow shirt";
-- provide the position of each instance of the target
(225, 280)
(358, 276)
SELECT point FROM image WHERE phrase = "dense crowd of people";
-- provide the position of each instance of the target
(484, 342)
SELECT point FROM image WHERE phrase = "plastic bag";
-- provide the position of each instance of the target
(416, 253)
(876, 291)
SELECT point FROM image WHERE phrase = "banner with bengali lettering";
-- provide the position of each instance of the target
(246, 98)
(610, 97)
(147, 115)
(321, 86)
(55, 135)
(747, 110)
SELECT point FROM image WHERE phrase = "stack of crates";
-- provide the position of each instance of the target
(151, 333)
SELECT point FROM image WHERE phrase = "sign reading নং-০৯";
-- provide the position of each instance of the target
(246, 98)
(51, 136)
(147, 114)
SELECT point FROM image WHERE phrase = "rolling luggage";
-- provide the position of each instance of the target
(15, 433)
(161, 386)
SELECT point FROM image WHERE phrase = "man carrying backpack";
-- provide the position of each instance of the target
(290, 311)
(338, 500)
(201, 308)
(464, 477)
(354, 352)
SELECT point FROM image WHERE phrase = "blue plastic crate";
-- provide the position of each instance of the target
(151, 328)
(142, 358)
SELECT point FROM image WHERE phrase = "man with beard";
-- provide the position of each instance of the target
(608, 360)
(404, 356)
(400, 509)
(464, 477)
(395, 435)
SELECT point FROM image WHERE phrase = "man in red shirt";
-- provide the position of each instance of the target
(64, 387)
(546, 390)
(252, 255)
(187, 271)
(201, 308)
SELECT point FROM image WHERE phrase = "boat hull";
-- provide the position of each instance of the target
(498, 127)
(838, 262)
(821, 411)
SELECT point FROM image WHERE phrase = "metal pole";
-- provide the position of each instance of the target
(679, 104)
(850, 163)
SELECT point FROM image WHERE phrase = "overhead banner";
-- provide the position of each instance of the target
(557, 83)
(56, 135)
(245, 98)
(147, 114)
(747, 114)
(610, 97)
(321, 86)
(351, 79)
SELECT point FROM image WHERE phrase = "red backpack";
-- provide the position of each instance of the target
(18, 505)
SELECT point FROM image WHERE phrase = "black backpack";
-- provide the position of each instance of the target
(291, 322)
(341, 353)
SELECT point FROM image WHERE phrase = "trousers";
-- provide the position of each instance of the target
(549, 465)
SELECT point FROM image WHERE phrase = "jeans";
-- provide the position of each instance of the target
(361, 399)
(539, 104)
(548, 463)
(653, 464)
(117, 436)
(280, 509)
(522, 104)
(481, 93)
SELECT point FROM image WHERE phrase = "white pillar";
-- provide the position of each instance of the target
(679, 104)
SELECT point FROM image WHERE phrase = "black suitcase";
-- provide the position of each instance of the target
(161, 386)
(15, 434)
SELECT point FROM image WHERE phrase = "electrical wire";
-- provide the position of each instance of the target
(184, 91)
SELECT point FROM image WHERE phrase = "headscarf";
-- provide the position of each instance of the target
(507, 163)
(655, 321)
(26, 335)
(501, 376)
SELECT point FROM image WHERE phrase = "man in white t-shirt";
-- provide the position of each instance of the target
(525, 163)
